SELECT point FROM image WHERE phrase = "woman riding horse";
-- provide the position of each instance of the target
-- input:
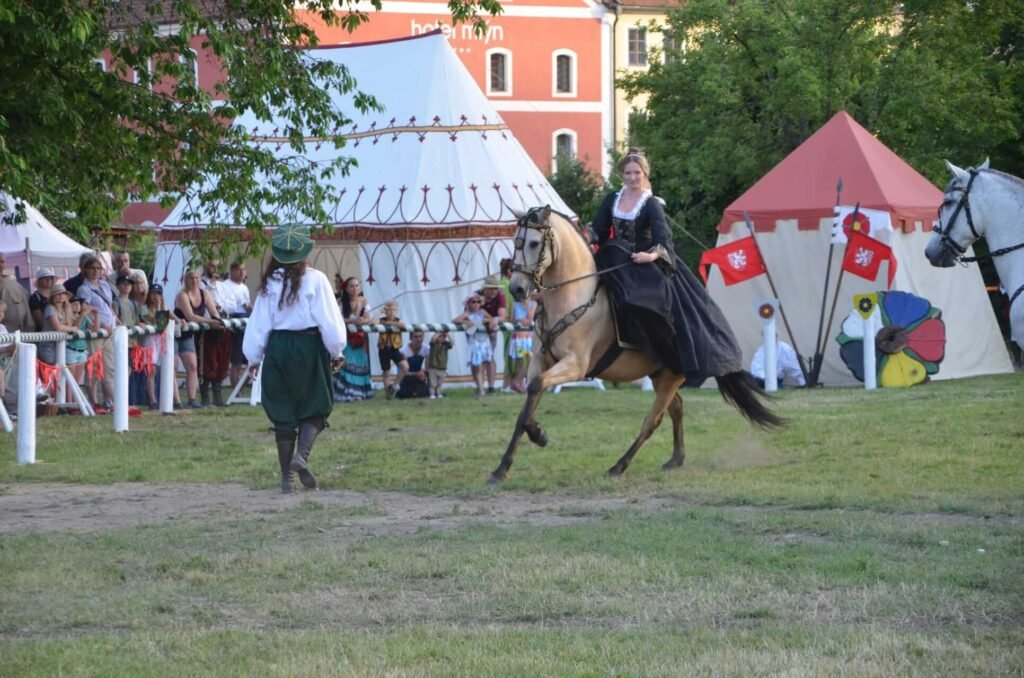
(660, 307)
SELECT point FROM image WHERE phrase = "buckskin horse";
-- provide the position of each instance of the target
(574, 336)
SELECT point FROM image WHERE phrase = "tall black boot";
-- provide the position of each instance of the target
(285, 451)
(218, 397)
(204, 393)
(309, 429)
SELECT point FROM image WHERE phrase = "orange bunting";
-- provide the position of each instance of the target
(46, 374)
(141, 359)
(94, 366)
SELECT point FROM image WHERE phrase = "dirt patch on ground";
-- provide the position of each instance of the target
(90, 508)
(56, 507)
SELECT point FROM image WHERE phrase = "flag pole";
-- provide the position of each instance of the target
(819, 345)
(839, 283)
(775, 293)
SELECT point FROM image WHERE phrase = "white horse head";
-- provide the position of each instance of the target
(957, 230)
(985, 203)
(532, 255)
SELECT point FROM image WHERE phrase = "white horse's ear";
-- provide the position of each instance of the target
(956, 171)
(983, 165)
(519, 215)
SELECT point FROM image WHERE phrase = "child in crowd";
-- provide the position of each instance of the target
(389, 349)
(521, 344)
(437, 362)
(480, 353)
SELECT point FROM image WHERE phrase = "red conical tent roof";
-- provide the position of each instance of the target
(803, 185)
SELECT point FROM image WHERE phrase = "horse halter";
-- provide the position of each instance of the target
(537, 220)
(965, 205)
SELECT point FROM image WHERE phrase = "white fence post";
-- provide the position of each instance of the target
(26, 403)
(771, 361)
(62, 359)
(121, 372)
(167, 371)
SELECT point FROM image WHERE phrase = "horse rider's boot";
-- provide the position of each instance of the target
(309, 429)
(285, 450)
(204, 393)
(218, 396)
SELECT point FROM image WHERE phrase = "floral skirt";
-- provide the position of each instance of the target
(480, 351)
(521, 345)
(354, 381)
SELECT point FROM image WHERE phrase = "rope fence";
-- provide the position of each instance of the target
(65, 382)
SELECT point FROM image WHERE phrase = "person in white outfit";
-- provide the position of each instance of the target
(296, 331)
(786, 363)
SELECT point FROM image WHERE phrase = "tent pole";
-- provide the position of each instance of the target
(839, 284)
(819, 343)
(775, 293)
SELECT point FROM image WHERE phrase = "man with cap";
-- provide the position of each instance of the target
(297, 332)
(37, 300)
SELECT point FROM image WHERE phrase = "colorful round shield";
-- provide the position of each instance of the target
(909, 346)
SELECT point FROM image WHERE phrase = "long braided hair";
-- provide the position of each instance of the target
(291, 280)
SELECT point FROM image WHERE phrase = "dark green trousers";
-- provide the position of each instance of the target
(296, 381)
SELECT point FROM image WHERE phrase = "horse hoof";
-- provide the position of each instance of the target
(538, 436)
(672, 464)
(495, 479)
(616, 471)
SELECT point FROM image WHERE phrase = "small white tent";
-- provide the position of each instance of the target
(428, 211)
(792, 211)
(34, 242)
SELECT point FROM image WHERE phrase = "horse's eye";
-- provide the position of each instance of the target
(534, 244)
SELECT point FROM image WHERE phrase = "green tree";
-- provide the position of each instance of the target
(933, 79)
(79, 141)
(580, 187)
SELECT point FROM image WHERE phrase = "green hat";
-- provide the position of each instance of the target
(291, 243)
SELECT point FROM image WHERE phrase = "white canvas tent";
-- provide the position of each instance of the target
(791, 208)
(34, 242)
(430, 206)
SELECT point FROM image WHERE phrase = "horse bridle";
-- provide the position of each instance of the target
(529, 222)
(964, 204)
(959, 251)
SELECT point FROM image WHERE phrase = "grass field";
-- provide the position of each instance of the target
(879, 534)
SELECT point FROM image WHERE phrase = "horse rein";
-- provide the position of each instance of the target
(546, 231)
(947, 242)
(548, 336)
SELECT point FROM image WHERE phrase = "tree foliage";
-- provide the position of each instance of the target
(79, 142)
(580, 187)
(933, 79)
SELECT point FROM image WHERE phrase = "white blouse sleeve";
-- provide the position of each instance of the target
(257, 329)
(325, 308)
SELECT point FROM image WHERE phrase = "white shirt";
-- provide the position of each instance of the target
(234, 297)
(785, 362)
(314, 307)
(213, 287)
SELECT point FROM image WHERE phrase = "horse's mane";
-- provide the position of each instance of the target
(1014, 180)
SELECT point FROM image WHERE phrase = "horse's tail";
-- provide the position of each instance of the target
(741, 391)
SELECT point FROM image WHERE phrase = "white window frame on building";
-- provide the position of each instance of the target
(636, 37)
(100, 64)
(184, 61)
(507, 92)
(669, 44)
(558, 134)
(149, 67)
(563, 55)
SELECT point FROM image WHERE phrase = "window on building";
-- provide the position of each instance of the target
(672, 47)
(565, 74)
(100, 64)
(565, 145)
(190, 61)
(499, 80)
(637, 40)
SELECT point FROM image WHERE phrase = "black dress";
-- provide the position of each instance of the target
(661, 308)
